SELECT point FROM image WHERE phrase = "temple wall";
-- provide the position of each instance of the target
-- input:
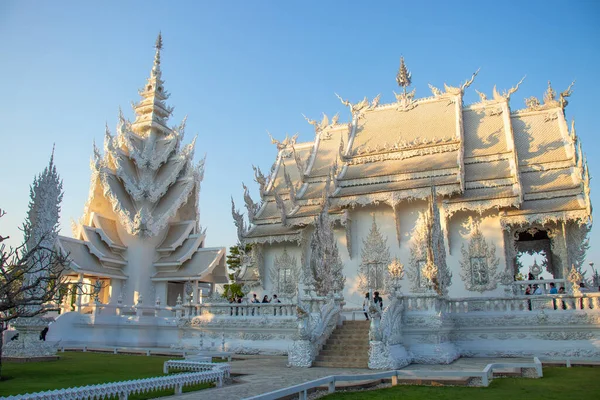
(362, 220)
(460, 231)
(520, 334)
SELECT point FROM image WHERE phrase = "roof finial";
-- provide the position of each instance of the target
(403, 76)
(158, 44)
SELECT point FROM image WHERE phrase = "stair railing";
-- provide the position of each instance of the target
(314, 328)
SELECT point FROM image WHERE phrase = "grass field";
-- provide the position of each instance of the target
(557, 384)
(80, 369)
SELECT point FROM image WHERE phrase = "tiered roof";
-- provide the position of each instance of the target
(479, 157)
(146, 185)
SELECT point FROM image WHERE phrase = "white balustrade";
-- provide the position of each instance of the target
(557, 302)
(544, 284)
(122, 390)
(193, 310)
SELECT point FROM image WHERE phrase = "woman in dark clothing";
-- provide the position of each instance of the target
(266, 299)
(378, 300)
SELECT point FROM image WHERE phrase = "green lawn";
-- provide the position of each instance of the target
(557, 384)
(80, 369)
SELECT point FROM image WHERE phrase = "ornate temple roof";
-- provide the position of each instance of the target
(480, 156)
(145, 186)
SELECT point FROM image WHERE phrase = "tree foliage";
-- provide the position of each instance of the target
(235, 259)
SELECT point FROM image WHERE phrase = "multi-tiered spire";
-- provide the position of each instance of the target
(151, 111)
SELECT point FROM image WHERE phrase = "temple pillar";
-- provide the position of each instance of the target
(115, 290)
(161, 292)
(196, 292)
(79, 292)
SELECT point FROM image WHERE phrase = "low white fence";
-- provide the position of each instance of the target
(558, 302)
(188, 365)
(486, 375)
(126, 350)
(193, 310)
(207, 373)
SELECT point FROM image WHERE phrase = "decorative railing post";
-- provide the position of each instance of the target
(386, 350)
(139, 311)
(178, 307)
(157, 306)
(313, 328)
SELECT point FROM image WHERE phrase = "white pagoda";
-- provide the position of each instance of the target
(139, 240)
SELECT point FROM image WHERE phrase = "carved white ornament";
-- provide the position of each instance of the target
(479, 263)
(284, 275)
(373, 269)
(418, 255)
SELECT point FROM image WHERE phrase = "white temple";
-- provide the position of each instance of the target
(140, 234)
(506, 182)
(429, 201)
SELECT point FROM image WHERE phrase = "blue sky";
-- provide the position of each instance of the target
(238, 69)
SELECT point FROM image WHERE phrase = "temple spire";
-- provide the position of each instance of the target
(158, 46)
(403, 76)
(152, 112)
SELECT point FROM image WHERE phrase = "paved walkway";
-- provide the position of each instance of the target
(267, 373)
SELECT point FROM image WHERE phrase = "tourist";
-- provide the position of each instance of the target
(43, 334)
(276, 300)
(536, 289)
(366, 305)
(528, 291)
(266, 299)
(553, 291)
(377, 300)
(254, 301)
(582, 288)
(561, 290)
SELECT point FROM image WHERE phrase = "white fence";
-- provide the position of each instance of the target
(485, 375)
(558, 302)
(193, 310)
(207, 373)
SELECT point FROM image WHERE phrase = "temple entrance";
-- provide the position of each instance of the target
(534, 265)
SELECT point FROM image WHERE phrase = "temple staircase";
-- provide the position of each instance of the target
(347, 347)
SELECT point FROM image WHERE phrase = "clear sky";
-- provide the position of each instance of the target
(238, 69)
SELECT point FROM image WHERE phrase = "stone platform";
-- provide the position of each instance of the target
(261, 374)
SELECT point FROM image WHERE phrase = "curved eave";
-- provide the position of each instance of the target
(108, 231)
(215, 272)
(176, 235)
(93, 245)
(78, 266)
(183, 253)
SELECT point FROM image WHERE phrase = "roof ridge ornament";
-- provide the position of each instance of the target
(461, 90)
(359, 108)
(260, 178)
(238, 220)
(251, 206)
(325, 123)
(403, 77)
(281, 145)
(506, 94)
(405, 99)
(533, 103)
